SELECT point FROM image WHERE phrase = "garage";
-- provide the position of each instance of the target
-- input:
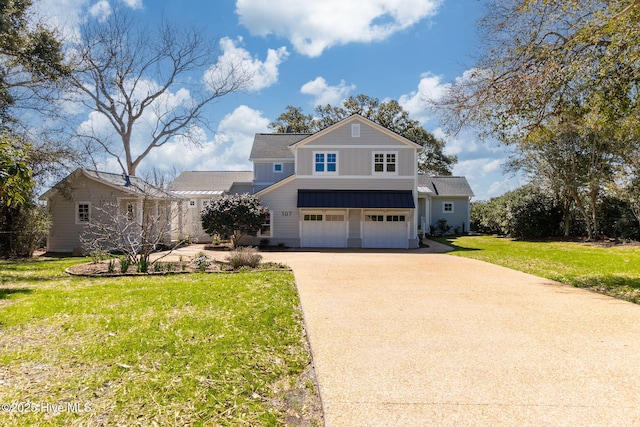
(385, 229)
(324, 228)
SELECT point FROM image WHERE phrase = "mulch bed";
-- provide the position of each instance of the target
(101, 269)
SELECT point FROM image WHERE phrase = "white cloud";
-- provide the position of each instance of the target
(100, 10)
(461, 144)
(133, 4)
(228, 150)
(419, 103)
(263, 74)
(66, 16)
(325, 94)
(313, 26)
(493, 166)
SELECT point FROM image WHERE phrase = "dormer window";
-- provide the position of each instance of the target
(277, 167)
(385, 162)
(325, 162)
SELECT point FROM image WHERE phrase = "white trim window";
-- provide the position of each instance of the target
(278, 168)
(325, 162)
(447, 207)
(385, 162)
(83, 212)
(193, 203)
(266, 227)
(131, 211)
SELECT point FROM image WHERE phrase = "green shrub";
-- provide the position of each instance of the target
(524, 213)
(143, 265)
(124, 264)
(202, 261)
(244, 257)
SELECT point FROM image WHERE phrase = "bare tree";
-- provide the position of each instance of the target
(146, 85)
(136, 228)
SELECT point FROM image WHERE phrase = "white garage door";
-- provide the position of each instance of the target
(385, 230)
(324, 229)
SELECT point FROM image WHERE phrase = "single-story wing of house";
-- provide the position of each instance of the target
(84, 195)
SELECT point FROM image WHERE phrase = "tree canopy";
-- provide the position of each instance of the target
(389, 114)
(559, 80)
(31, 57)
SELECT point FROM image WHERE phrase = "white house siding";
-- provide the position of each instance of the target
(64, 232)
(355, 228)
(191, 222)
(460, 216)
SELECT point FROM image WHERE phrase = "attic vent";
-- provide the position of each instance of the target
(355, 130)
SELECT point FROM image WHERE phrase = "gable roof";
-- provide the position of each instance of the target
(275, 145)
(131, 185)
(364, 120)
(208, 183)
(444, 185)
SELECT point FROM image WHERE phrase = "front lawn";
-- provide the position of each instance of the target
(196, 349)
(613, 270)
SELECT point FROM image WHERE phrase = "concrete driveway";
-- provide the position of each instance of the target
(407, 338)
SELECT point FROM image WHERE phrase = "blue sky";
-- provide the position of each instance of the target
(305, 53)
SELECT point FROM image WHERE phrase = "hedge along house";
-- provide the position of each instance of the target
(354, 184)
(85, 195)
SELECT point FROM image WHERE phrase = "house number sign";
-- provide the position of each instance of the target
(287, 213)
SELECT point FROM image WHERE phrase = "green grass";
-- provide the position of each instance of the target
(197, 349)
(613, 271)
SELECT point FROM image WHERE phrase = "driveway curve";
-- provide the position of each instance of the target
(408, 338)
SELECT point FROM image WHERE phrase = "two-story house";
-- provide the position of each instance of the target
(354, 184)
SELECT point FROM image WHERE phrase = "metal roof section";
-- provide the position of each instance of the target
(357, 199)
(198, 193)
(444, 185)
(217, 181)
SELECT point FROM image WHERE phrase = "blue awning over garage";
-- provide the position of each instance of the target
(371, 199)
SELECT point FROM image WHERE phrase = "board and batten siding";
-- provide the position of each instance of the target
(64, 234)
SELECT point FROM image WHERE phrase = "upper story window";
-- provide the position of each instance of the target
(447, 207)
(325, 162)
(83, 212)
(277, 167)
(385, 162)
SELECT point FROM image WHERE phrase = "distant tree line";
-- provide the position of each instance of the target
(531, 212)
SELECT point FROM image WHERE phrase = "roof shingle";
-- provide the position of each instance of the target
(275, 145)
(446, 185)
